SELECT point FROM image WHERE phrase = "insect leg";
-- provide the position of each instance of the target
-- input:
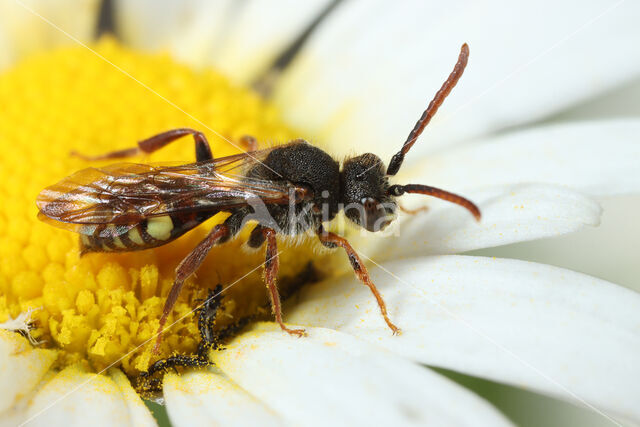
(220, 234)
(177, 360)
(271, 266)
(249, 143)
(332, 240)
(207, 315)
(156, 142)
(186, 268)
(210, 340)
(412, 211)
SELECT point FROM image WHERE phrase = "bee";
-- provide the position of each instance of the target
(288, 189)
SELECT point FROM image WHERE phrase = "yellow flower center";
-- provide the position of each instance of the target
(102, 308)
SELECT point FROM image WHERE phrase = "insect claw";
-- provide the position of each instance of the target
(300, 333)
(394, 329)
(297, 332)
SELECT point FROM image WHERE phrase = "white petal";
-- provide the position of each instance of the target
(370, 71)
(6, 56)
(598, 158)
(22, 324)
(530, 325)
(261, 31)
(510, 214)
(75, 397)
(328, 378)
(608, 251)
(22, 367)
(139, 414)
(209, 398)
(618, 103)
(23, 26)
(238, 38)
(153, 25)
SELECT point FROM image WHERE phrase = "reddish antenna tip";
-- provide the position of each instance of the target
(432, 108)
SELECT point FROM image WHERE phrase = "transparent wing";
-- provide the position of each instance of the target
(127, 193)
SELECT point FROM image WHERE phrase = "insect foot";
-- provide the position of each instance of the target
(297, 332)
(149, 382)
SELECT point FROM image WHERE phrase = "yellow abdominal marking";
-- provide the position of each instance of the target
(98, 307)
(159, 227)
(118, 243)
(134, 235)
(85, 240)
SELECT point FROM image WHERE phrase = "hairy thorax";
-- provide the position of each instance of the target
(301, 164)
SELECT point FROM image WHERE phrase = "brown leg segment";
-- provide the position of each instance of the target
(186, 268)
(156, 142)
(332, 240)
(271, 266)
(249, 143)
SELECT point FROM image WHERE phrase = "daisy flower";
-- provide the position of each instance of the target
(85, 325)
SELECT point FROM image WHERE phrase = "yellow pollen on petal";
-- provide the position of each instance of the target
(104, 308)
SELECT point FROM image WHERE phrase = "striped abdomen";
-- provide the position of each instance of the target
(152, 232)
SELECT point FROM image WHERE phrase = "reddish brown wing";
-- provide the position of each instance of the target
(125, 194)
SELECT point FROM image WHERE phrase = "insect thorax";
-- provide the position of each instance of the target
(300, 163)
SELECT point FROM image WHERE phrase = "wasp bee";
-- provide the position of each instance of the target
(290, 189)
